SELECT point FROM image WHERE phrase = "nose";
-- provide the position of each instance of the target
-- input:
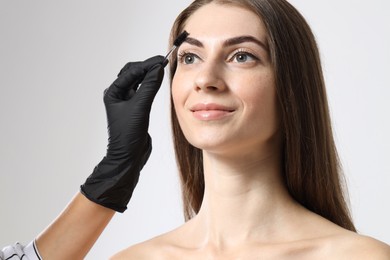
(210, 77)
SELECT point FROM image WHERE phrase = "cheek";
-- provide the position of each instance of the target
(180, 91)
(176, 91)
(255, 89)
(259, 96)
(181, 86)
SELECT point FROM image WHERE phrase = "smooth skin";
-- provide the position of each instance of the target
(74, 232)
(225, 100)
(113, 180)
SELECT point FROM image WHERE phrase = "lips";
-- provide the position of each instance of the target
(211, 111)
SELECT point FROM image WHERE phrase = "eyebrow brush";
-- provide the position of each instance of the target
(178, 41)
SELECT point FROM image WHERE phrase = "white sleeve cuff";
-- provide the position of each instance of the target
(32, 252)
(17, 251)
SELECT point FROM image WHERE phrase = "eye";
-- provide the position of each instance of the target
(187, 58)
(243, 56)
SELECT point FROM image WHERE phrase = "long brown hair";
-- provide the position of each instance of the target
(311, 168)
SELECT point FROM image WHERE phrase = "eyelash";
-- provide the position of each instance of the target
(182, 55)
(245, 52)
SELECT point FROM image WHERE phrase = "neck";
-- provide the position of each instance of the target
(245, 198)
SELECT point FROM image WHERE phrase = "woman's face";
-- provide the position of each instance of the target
(223, 89)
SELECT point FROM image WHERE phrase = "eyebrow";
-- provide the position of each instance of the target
(230, 41)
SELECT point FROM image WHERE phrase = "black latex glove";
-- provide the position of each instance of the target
(128, 105)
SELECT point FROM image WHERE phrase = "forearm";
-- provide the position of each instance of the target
(111, 184)
(74, 231)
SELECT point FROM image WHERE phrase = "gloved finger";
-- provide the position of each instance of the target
(134, 73)
(149, 87)
(129, 78)
(146, 64)
(126, 83)
(128, 66)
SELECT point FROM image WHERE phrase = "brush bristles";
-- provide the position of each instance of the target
(180, 39)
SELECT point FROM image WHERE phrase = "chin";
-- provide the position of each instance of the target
(213, 144)
(205, 144)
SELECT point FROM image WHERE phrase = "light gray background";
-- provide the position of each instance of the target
(57, 57)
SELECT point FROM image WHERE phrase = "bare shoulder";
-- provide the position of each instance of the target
(139, 251)
(370, 247)
(335, 242)
(150, 249)
(354, 246)
(161, 247)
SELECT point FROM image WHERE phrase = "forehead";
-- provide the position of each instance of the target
(225, 20)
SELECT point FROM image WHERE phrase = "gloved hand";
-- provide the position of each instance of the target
(128, 105)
